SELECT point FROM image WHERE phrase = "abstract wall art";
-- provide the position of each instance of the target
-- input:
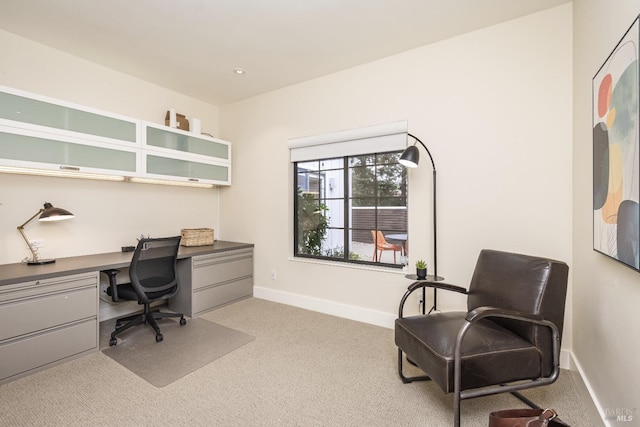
(616, 153)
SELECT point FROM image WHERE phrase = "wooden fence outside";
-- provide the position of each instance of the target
(390, 220)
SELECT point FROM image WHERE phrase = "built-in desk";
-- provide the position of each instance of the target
(49, 313)
(20, 272)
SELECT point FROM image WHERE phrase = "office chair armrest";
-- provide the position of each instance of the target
(482, 312)
(421, 285)
(111, 274)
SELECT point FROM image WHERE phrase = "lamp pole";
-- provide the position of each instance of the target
(35, 258)
(410, 158)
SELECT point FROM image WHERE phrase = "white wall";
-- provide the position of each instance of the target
(494, 107)
(108, 215)
(606, 294)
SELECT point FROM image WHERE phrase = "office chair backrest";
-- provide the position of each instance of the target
(522, 283)
(153, 268)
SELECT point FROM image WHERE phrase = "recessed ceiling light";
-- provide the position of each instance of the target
(238, 71)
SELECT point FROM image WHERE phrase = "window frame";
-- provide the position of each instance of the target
(348, 203)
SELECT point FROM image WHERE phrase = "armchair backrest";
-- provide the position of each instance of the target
(522, 283)
(153, 268)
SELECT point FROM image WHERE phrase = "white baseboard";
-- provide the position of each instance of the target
(595, 410)
(346, 311)
(351, 312)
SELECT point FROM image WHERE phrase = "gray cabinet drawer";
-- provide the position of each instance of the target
(221, 272)
(37, 313)
(16, 291)
(218, 269)
(35, 351)
(213, 280)
(218, 295)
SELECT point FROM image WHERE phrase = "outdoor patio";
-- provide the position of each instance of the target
(365, 253)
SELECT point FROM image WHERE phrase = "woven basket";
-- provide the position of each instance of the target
(196, 236)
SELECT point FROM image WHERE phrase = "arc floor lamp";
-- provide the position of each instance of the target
(47, 213)
(410, 158)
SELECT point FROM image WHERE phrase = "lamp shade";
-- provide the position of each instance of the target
(410, 157)
(51, 213)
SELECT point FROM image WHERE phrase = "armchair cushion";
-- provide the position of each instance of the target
(491, 353)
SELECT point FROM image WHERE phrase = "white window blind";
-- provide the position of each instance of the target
(351, 142)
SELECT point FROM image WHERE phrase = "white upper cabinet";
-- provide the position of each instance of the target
(39, 133)
(31, 112)
(184, 156)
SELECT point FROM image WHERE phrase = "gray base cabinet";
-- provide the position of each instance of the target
(213, 280)
(46, 322)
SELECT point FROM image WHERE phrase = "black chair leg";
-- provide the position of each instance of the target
(456, 410)
(407, 380)
(130, 322)
(530, 403)
(148, 317)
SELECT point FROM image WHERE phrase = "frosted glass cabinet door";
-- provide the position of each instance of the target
(54, 154)
(190, 169)
(183, 142)
(31, 111)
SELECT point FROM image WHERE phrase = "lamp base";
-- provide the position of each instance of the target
(40, 261)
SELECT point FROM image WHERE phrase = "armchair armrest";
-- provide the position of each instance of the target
(482, 312)
(438, 285)
(421, 285)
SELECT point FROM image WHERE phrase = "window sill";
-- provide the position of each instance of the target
(380, 269)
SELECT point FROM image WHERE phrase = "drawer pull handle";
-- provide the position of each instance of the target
(70, 168)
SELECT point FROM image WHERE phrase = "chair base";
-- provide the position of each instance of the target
(470, 394)
(148, 317)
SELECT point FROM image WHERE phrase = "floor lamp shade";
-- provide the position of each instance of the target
(410, 157)
(46, 213)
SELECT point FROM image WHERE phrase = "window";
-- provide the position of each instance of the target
(351, 209)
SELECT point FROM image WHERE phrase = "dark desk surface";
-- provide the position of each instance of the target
(21, 272)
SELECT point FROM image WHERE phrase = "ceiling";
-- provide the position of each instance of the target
(193, 46)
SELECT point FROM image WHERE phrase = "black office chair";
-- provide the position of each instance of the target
(507, 340)
(153, 277)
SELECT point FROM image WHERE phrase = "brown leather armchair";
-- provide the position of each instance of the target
(509, 338)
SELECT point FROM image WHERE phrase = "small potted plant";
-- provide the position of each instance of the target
(421, 269)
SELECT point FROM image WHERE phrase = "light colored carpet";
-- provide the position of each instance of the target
(183, 350)
(303, 369)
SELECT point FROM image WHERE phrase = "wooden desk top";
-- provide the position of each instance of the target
(21, 272)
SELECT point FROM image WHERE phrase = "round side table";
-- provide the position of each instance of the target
(429, 279)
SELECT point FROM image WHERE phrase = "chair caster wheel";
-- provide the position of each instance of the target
(113, 341)
(183, 321)
(159, 337)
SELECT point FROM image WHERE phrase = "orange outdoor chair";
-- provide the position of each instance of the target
(382, 245)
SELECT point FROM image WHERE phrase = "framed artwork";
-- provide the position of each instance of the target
(616, 153)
